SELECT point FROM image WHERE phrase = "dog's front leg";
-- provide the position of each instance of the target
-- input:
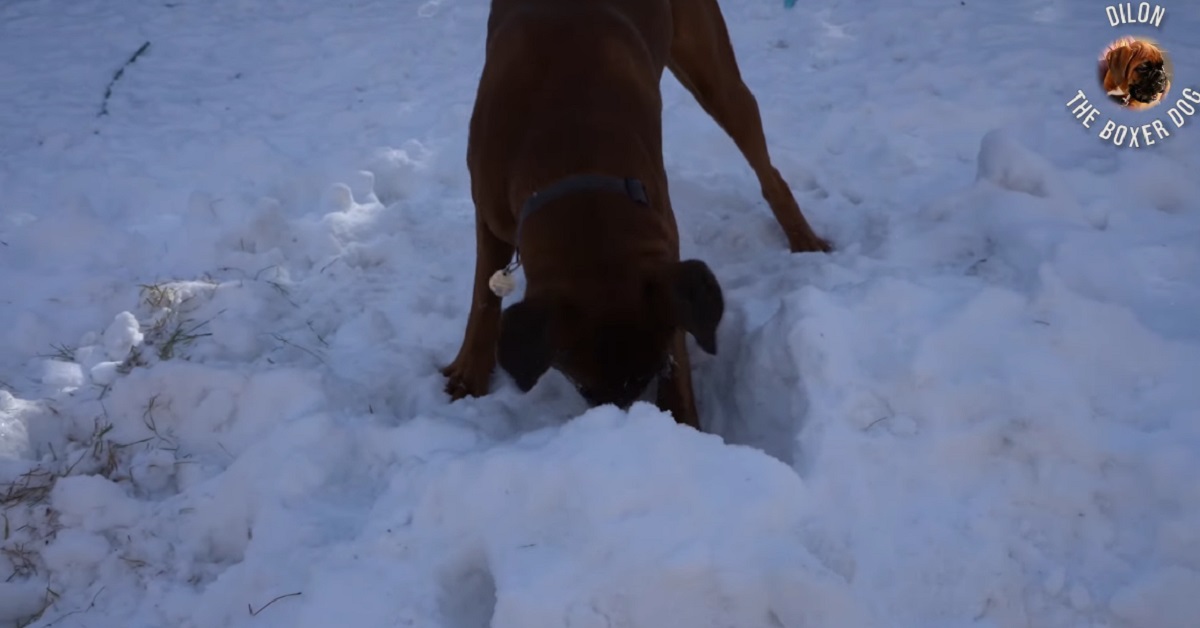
(675, 386)
(471, 371)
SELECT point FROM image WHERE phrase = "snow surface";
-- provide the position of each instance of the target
(225, 304)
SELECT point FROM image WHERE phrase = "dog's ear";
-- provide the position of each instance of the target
(696, 301)
(1118, 68)
(525, 347)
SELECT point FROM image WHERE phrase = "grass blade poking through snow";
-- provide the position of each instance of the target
(254, 613)
(117, 76)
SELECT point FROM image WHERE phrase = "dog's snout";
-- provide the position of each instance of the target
(589, 396)
(622, 395)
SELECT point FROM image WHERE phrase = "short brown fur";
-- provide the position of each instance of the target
(572, 87)
(1123, 66)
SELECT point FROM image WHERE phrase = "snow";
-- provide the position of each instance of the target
(122, 336)
(226, 302)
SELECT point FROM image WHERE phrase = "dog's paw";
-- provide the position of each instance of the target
(464, 379)
(808, 243)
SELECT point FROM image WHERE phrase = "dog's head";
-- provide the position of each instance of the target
(610, 343)
(1138, 70)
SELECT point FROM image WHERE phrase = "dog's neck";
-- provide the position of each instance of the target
(590, 229)
(631, 187)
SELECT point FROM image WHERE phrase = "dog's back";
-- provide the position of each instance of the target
(568, 86)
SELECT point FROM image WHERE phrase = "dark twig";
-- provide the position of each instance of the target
(304, 349)
(82, 610)
(117, 76)
(256, 612)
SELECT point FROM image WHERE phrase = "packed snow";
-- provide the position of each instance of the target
(226, 301)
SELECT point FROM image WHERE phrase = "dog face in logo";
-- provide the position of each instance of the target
(611, 343)
(1134, 73)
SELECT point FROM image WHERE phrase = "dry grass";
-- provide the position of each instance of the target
(183, 334)
(28, 520)
(48, 600)
(28, 523)
(31, 487)
(60, 352)
(22, 558)
(170, 329)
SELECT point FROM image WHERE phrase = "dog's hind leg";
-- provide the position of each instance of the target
(470, 372)
(702, 59)
(675, 393)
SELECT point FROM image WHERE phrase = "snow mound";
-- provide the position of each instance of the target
(612, 519)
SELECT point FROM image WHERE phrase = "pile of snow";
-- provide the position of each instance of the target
(422, 524)
(226, 303)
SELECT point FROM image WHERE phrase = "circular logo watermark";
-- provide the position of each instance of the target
(1136, 74)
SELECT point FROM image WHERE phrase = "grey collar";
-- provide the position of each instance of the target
(629, 186)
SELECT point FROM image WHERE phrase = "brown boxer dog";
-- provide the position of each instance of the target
(1132, 73)
(565, 156)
